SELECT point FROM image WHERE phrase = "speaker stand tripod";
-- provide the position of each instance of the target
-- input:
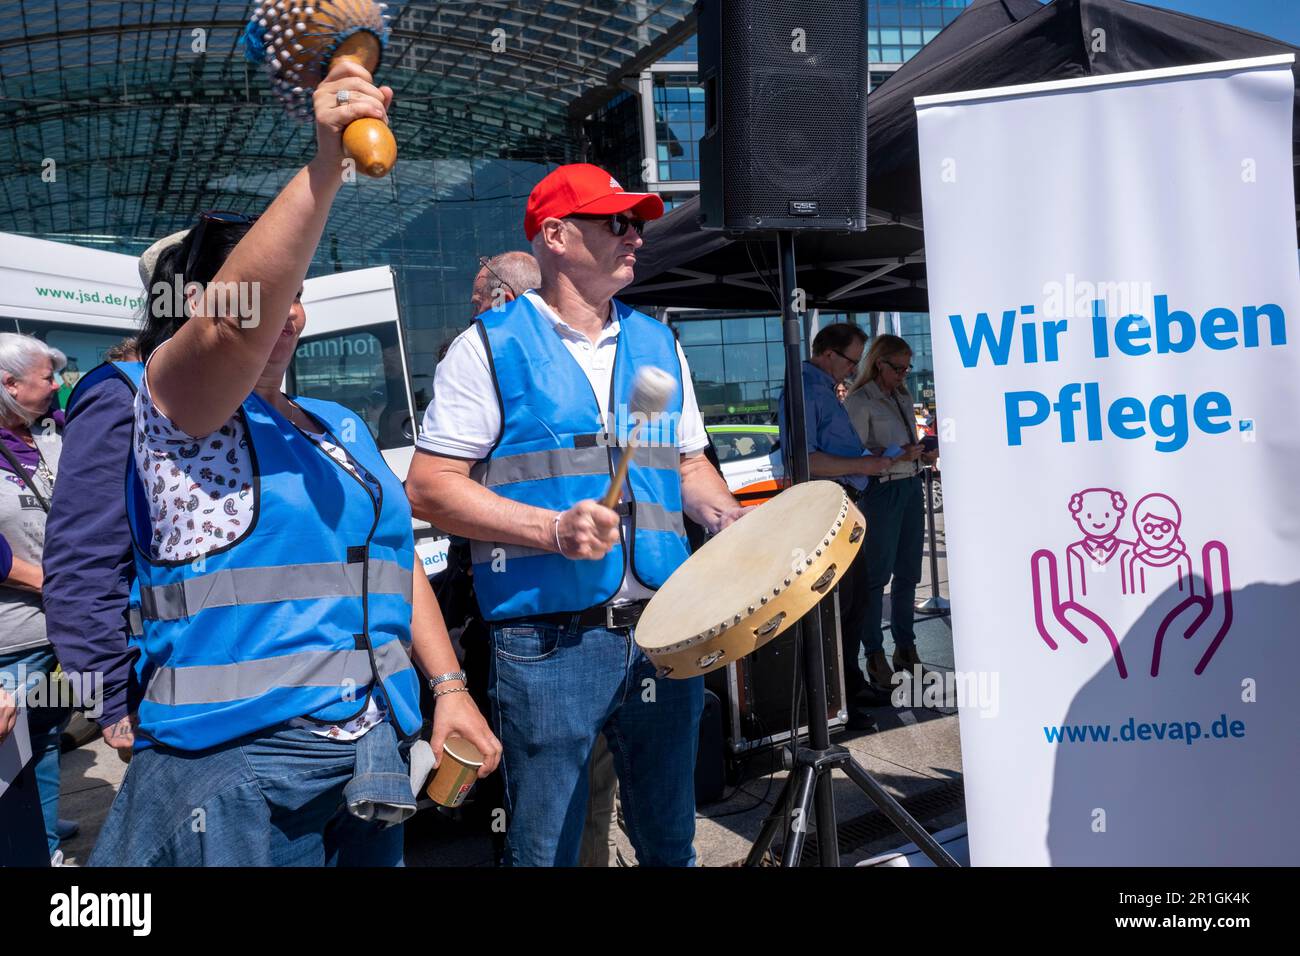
(936, 603)
(807, 793)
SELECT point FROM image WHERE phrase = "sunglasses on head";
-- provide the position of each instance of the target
(483, 264)
(211, 222)
(618, 223)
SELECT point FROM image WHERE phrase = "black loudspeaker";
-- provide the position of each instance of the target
(785, 93)
(755, 690)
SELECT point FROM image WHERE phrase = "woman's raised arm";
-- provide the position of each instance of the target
(216, 358)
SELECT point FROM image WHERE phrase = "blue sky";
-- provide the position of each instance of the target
(1276, 18)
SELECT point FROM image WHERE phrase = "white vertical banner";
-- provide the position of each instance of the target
(1115, 311)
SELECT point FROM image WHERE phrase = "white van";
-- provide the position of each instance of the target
(83, 301)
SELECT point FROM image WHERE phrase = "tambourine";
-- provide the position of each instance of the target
(752, 581)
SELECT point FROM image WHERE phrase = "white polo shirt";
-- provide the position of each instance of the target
(464, 419)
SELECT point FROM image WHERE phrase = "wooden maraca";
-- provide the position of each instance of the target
(299, 40)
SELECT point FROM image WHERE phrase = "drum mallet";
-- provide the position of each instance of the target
(651, 390)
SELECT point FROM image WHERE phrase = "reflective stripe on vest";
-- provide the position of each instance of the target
(654, 517)
(290, 582)
(569, 462)
(220, 683)
(303, 615)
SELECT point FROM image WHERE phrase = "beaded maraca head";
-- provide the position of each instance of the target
(298, 41)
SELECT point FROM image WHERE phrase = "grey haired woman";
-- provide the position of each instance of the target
(30, 442)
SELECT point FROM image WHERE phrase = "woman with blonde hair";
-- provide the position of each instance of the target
(880, 407)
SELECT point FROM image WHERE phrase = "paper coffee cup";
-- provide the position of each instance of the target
(456, 772)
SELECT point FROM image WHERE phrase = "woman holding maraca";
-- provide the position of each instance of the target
(284, 612)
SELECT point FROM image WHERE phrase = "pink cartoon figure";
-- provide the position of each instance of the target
(1058, 621)
(1213, 607)
(1094, 564)
(1157, 564)
(1093, 574)
(1159, 560)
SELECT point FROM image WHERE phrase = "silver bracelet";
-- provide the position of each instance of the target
(451, 690)
(443, 678)
(558, 547)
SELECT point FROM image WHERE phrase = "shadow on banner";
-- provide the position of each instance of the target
(1181, 769)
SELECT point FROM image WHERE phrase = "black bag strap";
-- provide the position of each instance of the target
(910, 425)
(22, 473)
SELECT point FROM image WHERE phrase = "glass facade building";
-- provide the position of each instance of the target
(122, 120)
(897, 29)
(737, 359)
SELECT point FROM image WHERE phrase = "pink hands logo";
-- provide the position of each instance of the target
(1104, 572)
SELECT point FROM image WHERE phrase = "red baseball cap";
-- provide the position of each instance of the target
(588, 189)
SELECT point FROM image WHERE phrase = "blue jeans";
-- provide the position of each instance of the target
(271, 799)
(45, 723)
(895, 513)
(553, 689)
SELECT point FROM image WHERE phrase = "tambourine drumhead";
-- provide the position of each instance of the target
(752, 581)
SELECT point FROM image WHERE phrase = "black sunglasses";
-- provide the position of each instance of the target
(618, 223)
(211, 221)
(483, 264)
(901, 370)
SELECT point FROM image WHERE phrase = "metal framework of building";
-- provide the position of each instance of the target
(120, 118)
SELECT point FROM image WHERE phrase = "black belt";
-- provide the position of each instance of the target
(849, 490)
(610, 616)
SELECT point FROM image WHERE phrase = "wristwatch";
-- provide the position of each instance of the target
(443, 678)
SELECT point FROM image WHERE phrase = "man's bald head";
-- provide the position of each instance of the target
(505, 277)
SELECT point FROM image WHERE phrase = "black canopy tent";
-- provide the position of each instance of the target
(993, 43)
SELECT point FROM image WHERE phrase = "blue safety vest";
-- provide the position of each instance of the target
(296, 617)
(555, 451)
